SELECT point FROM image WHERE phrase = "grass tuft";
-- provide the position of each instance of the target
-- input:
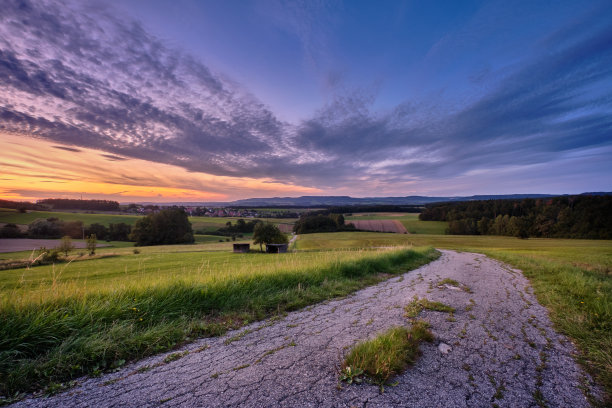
(412, 309)
(387, 354)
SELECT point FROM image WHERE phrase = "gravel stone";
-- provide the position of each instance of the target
(500, 349)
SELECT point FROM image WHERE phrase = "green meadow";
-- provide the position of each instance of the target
(15, 217)
(87, 316)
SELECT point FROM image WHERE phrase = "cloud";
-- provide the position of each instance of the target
(86, 78)
(68, 149)
(112, 157)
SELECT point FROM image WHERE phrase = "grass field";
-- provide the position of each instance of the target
(572, 278)
(409, 220)
(66, 320)
(15, 217)
(207, 223)
(83, 317)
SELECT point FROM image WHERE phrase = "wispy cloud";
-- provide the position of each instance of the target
(86, 78)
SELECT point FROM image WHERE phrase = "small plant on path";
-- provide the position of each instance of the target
(386, 355)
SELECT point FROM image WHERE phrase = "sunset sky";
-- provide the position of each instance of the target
(190, 100)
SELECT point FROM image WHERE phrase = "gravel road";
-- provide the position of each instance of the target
(501, 351)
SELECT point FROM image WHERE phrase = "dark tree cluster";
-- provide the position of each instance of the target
(583, 216)
(169, 226)
(10, 231)
(55, 228)
(241, 226)
(308, 224)
(114, 232)
(22, 206)
(373, 209)
(70, 204)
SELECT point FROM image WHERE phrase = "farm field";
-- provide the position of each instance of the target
(65, 320)
(380, 226)
(410, 221)
(210, 223)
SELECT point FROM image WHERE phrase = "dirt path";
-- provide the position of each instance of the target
(503, 351)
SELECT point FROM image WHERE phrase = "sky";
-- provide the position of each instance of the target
(197, 100)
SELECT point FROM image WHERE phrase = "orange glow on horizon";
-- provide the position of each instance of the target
(32, 169)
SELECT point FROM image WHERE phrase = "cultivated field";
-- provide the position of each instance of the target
(380, 226)
(409, 220)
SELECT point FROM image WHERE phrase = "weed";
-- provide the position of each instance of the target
(412, 309)
(388, 353)
(241, 367)
(175, 356)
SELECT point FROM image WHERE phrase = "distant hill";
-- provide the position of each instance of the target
(327, 201)
(323, 201)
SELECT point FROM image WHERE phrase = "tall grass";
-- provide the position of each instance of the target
(76, 321)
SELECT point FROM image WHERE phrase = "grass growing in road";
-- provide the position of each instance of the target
(60, 322)
(387, 354)
(412, 309)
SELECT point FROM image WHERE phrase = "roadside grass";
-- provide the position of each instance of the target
(572, 278)
(386, 355)
(63, 321)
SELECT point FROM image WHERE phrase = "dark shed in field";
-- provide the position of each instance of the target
(276, 248)
(242, 248)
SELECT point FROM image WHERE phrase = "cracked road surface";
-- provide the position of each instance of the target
(497, 348)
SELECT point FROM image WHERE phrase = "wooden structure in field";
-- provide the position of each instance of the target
(276, 248)
(242, 248)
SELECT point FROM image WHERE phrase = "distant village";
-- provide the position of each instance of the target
(218, 211)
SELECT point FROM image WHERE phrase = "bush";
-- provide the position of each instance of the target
(10, 231)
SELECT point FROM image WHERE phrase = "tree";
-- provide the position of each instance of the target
(266, 233)
(65, 245)
(99, 230)
(91, 244)
(170, 226)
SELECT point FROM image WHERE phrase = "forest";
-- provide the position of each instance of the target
(580, 216)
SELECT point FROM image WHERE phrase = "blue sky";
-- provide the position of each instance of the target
(323, 97)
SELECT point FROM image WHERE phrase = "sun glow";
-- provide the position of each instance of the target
(33, 168)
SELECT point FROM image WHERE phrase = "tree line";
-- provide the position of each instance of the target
(581, 216)
(312, 223)
(71, 204)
